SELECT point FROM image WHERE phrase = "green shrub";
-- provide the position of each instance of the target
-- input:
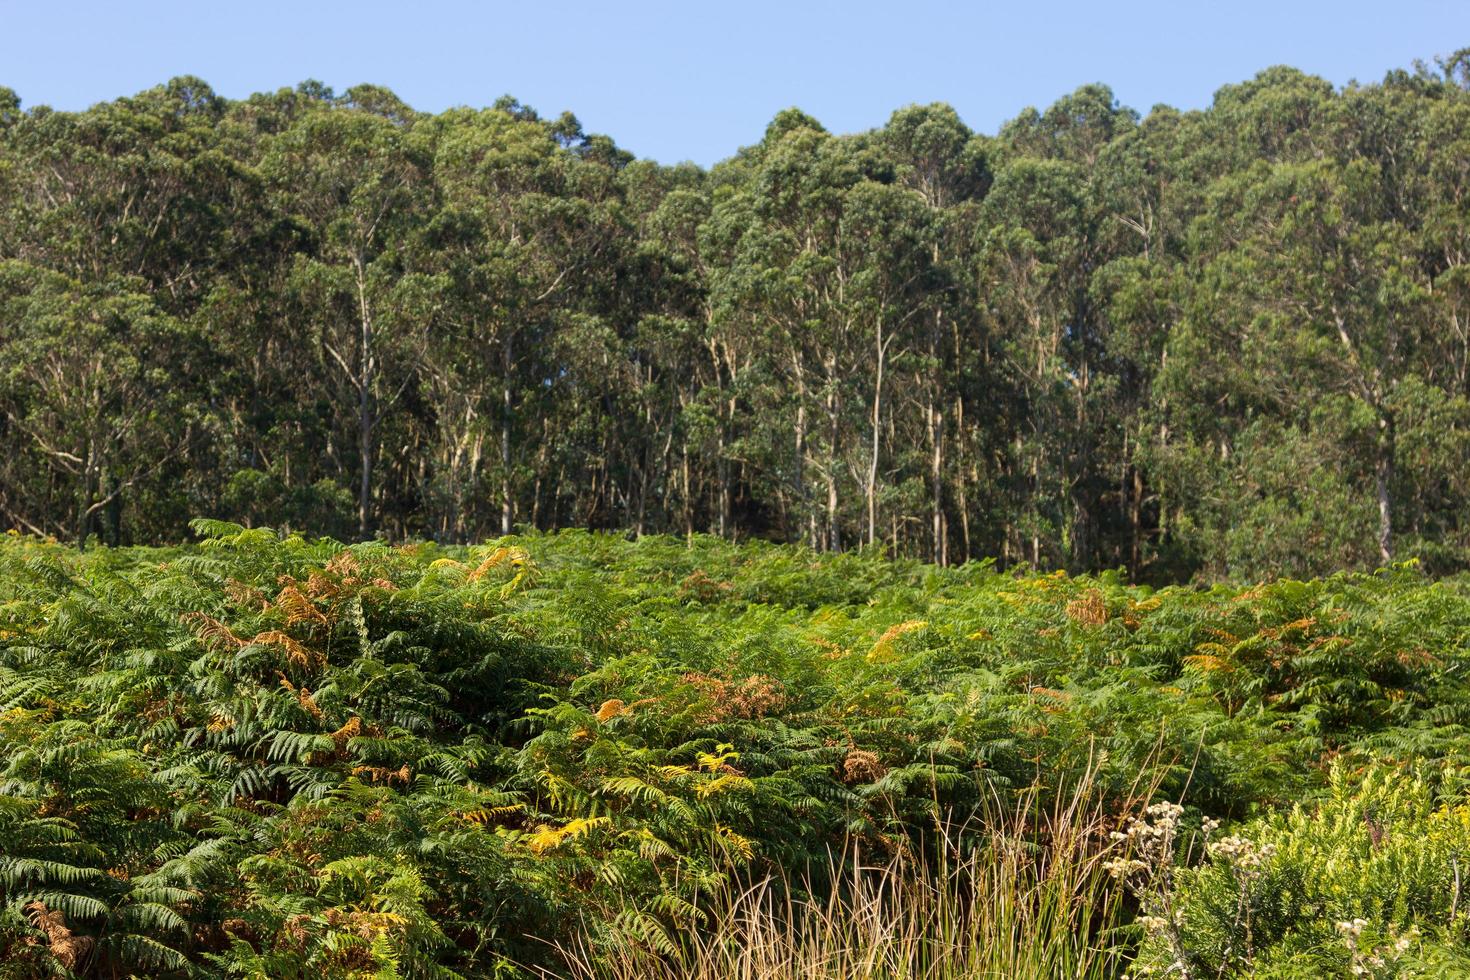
(1367, 881)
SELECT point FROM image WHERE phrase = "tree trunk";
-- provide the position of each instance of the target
(834, 530)
(1135, 519)
(800, 460)
(936, 482)
(722, 471)
(365, 420)
(961, 489)
(688, 499)
(505, 488)
(1383, 476)
(872, 489)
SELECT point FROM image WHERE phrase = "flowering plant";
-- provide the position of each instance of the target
(1364, 883)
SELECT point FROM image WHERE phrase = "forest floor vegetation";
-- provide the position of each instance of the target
(581, 756)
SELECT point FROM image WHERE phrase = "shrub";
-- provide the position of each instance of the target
(1367, 881)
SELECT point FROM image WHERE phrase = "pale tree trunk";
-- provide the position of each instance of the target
(541, 462)
(477, 453)
(877, 421)
(962, 487)
(834, 533)
(365, 420)
(800, 460)
(936, 484)
(506, 504)
(688, 499)
(1135, 519)
(722, 464)
(727, 491)
(834, 530)
(1383, 476)
(84, 499)
(722, 470)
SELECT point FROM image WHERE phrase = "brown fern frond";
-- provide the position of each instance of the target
(320, 586)
(298, 608)
(349, 730)
(295, 652)
(344, 564)
(862, 766)
(304, 698)
(1089, 609)
(212, 632)
(246, 595)
(382, 774)
(68, 948)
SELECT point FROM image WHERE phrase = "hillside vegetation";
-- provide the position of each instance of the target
(1214, 344)
(267, 756)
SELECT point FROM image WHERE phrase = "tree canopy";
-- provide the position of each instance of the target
(1228, 342)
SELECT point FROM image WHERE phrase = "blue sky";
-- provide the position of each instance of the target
(696, 80)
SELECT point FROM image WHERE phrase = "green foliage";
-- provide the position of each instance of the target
(1365, 882)
(272, 756)
(1216, 345)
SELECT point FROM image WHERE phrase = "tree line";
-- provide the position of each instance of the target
(1227, 342)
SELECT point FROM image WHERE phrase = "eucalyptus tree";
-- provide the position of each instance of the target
(1225, 342)
(358, 181)
(91, 408)
(704, 353)
(483, 243)
(1040, 243)
(935, 154)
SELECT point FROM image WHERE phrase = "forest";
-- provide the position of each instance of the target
(912, 554)
(1214, 345)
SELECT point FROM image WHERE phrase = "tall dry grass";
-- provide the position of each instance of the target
(1018, 895)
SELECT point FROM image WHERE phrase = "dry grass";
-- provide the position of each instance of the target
(1026, 899)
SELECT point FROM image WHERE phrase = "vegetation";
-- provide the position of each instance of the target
(816, 710)
(1229, 343)
(991, 907)
(266, 756)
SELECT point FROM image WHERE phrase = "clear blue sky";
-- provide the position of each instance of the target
(696, 80)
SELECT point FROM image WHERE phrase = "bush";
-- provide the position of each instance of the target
(1367, 881)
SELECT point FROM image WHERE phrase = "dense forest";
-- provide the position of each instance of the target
(1228, 342)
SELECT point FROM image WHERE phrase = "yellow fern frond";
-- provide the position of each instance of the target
(295, 652)
(490, 814)
(546, 838)
(611, 709)
(517, 557)
(884, 647)
(721, 784)
(740, 845)
(1209, 663)
(720, 758)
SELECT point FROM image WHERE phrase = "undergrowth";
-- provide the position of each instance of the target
(274, 757)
